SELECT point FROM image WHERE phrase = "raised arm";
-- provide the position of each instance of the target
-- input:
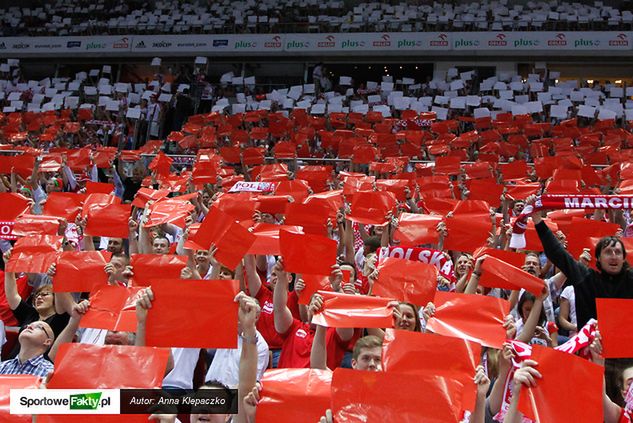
(557, 254)
(247, 316)
(253, 282)
(282, 314)
(68, 334)
(10, 286)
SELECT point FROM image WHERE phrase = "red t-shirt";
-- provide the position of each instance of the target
(266, 322)
(295, 351)
(24, 289)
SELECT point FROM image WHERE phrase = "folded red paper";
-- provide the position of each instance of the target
(499, 274)
(173, 322)
(552, 401)
(8, 382)
(371, 208)
(33, 224)
(293, 395)
(65, 205)
(415, 229)
(377, 397)
(267, 238)
(148, 267)
(99, 188)
(614, 318)
(81, 271)
(112, 307)
(304, 253)
(353, 311)
(427, 353)
(13, 205)
(406, 280)
(34, 254)
(474, 318)
(83, 366)
(110, 221)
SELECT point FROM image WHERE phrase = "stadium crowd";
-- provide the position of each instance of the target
(315, 232)
(112, 17)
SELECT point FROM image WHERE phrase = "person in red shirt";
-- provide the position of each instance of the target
(298, 336)
(263, 294)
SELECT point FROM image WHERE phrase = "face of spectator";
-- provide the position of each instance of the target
(407, 318)
(115, 245)
(612, 258)
(462, 266)
(52, 185)
(202, 257)
(119, 264)
(226, 274)
(369, 359)
(206, 198)
(160, 246)
(532, 265)
(43, 301)
(518, 207)
(38, 333)
(137, 174)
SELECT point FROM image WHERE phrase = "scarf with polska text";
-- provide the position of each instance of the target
(522, 351)
(565, 201)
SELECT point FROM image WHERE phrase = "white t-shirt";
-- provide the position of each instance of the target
(92, 336)
(185, 361)
(570, 295)
(225, 367)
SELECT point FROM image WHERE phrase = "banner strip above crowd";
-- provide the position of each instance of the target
(450, 43)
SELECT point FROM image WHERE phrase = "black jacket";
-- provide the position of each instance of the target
(588, 284)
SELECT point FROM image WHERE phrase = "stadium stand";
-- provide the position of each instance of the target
(301, 16)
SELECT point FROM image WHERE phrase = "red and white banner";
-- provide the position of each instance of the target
(577, 201)
(6, 231)
(426, 255)
(243, 186)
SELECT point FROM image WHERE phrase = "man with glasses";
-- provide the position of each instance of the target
(35, 341)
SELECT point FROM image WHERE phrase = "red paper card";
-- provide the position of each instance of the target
(66, 205)
(615, 317)
(83, 366)
(353, 311)
(173, 321)
(553, 401)
(147, 194)
(32, 224)
(427, 353)
(515, 259)
(474, 318)
(416, 229)
(13, 205)
(499, 274)
(375, 397)
(8, 382)
(99, 188)
(110, 221)
(406, 280)
(112, 307)
(467, 232)
(149, 267)
(294, 395)
(34, 254)
(371, 208)
(81, 271)
(312, 254)
(267, 238)
(172, 211)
